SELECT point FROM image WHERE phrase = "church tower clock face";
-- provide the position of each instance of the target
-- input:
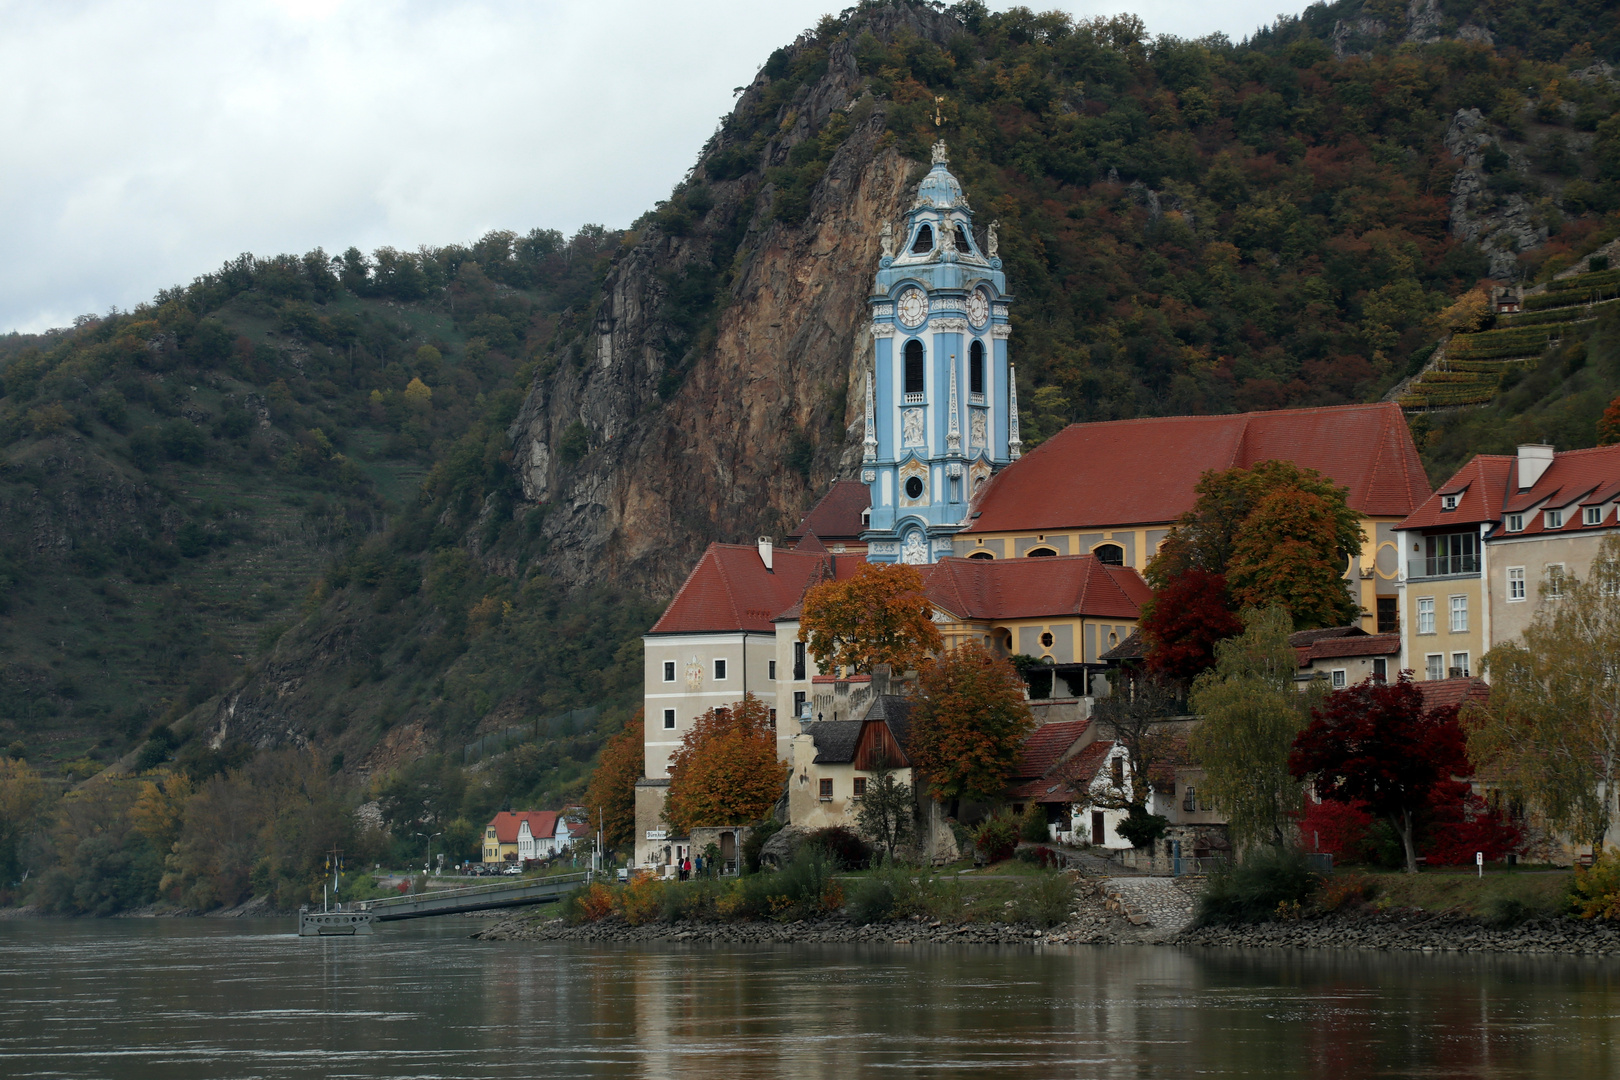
(913, 308)
(978, 308)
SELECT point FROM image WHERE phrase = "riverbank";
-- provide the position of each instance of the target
(1416, 931)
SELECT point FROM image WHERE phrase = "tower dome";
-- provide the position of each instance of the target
(939, 189)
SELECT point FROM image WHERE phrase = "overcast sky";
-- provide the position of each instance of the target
(145, 143)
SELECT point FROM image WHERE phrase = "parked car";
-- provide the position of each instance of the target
(514, 870)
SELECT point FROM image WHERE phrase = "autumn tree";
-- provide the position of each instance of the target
(1134, 717)
(1184, 620)
(1250, 715)
(1608, 425)
(22, 794)
(726, 771)
(968, 724)
(1376, 746)
(160, 809)
(888, 811)
(611, 797)
(1279, 535)
(1551, 729)
(878, 615)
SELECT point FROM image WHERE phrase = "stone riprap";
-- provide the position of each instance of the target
(1162, 903)
(1415, 931)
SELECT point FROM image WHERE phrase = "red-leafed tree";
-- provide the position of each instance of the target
(1608, 426)
(1375, 744)
(1184, 621)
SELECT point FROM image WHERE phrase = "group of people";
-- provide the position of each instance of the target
(685, 867)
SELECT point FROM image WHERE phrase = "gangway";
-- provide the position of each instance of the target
(357, 918)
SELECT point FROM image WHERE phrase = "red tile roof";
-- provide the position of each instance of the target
(1361, 645)
(1438, 693)
(1030, 588)
(731, 590)
(1141, 472)
(1480, 487)
(1081, 769)
(1046, 745)
(838, 514)
(542, 823)
(1575, 479)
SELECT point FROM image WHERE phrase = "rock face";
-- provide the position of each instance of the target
(1502, 225)
(685, 446)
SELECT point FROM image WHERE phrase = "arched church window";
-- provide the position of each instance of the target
(1041, 553)
(924, 242)
(985, 555)
(976, 368)
(1110, 554)
(962, 240)
(914, 366)
(914, 487)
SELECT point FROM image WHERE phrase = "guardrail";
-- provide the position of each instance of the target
(475, 898)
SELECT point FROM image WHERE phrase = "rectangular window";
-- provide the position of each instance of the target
(1118, 766)
(860, 787)
(1515, 523)
(1554, 519)
(1380, 672)
(1425, 615)
(1515, 580)
(1338, 679)
(1448, 502)
(1459, 614)
(801, 707)
(798, 660)
(1555, 579)
(1594, 515)
(669, 719)
(771, 673)
(826, 791)
(1434, 666)
(669, 671)
(1389, 615)
(719, 670)
(1452, 553)
(1459, 665)
(773, 719)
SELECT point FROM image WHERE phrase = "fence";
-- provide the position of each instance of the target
(573, 722)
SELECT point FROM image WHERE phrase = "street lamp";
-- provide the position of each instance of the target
(427, 855)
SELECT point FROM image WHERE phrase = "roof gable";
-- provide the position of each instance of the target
(1047, 745)
(731, 589)
(1031, 588)
(1135, 472)
(838, 514)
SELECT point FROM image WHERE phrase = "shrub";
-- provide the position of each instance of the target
(755, 841)
(1256, 888)
(1350, 890)
(873, 899)
(840, 843)
(697, 899)
(1505, 912)
(1141, 828)
(1046, 901)
(641, 901)
(590, 904)
(1033, 826)
(805, 887)
(1595, 893)
(996, 838)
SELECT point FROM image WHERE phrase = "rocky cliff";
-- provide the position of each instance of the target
(731, 435)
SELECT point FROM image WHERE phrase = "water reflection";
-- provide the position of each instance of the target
(193, 998)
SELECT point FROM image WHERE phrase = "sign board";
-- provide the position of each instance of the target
(657, 834)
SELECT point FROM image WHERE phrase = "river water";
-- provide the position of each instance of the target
(176, 999)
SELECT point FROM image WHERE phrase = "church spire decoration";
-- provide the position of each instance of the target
(870, 453)
(953, 432)
(1015, 445)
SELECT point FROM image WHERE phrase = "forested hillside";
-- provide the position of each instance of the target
(374, 507)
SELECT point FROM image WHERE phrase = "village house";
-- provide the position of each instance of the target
(1494, 543)
(514, 836)
(1344, 656)
(833, 760)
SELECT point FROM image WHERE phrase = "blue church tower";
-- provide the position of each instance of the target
(941, 404)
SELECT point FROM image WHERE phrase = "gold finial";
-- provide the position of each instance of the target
(939, 118)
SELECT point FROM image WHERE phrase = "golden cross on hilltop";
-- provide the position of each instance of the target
(939, 119)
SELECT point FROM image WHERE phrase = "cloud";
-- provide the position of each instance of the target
(147, 143)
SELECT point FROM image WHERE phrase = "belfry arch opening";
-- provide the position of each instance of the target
(924, 242)
(976, 368)
(914, 366)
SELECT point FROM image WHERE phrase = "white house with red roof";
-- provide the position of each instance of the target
(515, 835)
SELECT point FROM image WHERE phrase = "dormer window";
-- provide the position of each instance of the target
(1554, 519)
(1594, 515)
(924, 242)
(1448, 502)
(1515, 523)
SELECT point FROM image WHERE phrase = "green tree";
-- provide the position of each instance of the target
(1551, 729)
(888, 812)
(968, 724)
(1251, 714)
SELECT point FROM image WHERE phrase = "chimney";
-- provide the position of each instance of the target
(1534, 460)
(765, 552)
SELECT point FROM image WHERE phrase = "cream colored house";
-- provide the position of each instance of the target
(834, 760)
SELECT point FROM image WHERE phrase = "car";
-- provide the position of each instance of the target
(513, 870)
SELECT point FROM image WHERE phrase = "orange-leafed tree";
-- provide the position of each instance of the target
(611, 796)
(726, 771)
(1290, 555)
(968, 724)
(879, 615)
(1608, 426)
